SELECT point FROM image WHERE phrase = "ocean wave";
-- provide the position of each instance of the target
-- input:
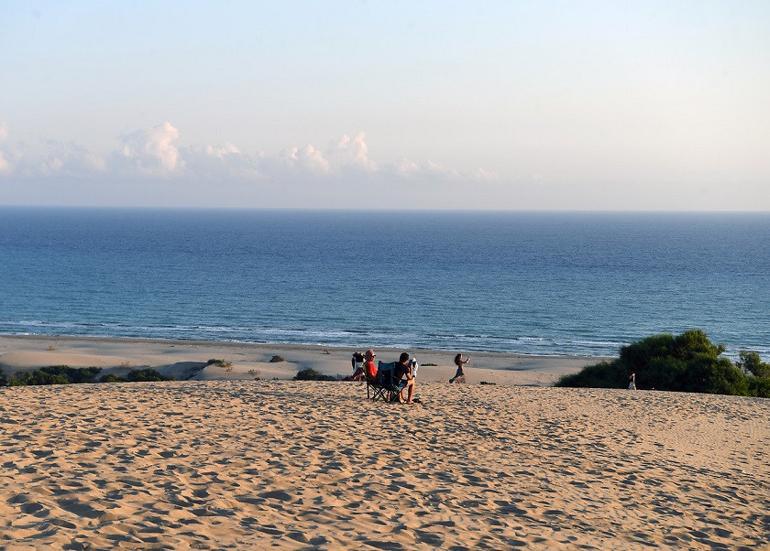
(525, 344)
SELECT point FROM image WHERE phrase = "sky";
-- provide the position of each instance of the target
(542, 105)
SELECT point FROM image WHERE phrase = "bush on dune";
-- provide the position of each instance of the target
(752, 363)
(112, 378)
(135, 376)
(141, 375)
(689, 362)
(759, 386)
(64, 375)
(73, 374)
(37, 377)
(601, 375)
(312, 375)
(55, 375)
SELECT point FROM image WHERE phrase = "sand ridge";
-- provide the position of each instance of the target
(239, 464)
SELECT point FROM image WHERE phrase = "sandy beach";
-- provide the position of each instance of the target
(186, 360)
(294, 465)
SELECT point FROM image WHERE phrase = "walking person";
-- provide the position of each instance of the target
(632, 382)
(460, 361)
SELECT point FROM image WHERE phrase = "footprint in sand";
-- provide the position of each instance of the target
(79, 508)
(34, 509)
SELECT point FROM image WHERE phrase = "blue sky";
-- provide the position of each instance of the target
(489, 105)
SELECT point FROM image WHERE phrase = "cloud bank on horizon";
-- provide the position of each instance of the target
(156, 154)
(150, 167)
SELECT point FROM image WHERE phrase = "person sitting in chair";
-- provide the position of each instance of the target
(369, 366)
(403, 369)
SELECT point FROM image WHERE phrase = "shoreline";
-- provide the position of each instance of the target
(185, 359)
(234, 343)
(346, 346)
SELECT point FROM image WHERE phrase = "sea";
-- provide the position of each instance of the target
(540, 283)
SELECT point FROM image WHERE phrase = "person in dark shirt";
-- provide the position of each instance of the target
(357, 362)
(403, 370)
(460, 361)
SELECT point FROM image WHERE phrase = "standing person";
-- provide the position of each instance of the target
(632, 382)
(459, 377)
(404, 369)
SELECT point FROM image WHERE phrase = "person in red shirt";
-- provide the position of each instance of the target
(369, 366)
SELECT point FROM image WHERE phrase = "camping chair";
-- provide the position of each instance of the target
(383, 388)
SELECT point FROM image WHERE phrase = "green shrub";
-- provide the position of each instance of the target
(601, 375)
(219, 363)
(73, 374)
(135, 376)
(140, 375)
(112, 378)
(64, 374)
(55, 375)
(312, 375)
(3, 379)
(759, 386)
(37, 377)
(689, 362)
(752, 363)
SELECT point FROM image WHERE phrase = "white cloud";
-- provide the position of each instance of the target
(408, 168)
(485, 175)
(154, 150)
(307, 158)
(5, 165)
(354, 152)
(222, 151)
(218, 162)
(69, 158)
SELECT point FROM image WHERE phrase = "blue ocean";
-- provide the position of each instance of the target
(533, 283)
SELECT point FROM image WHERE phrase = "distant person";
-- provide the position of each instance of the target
(357, 362)
(632, 382)
(460, 361)
(403, 370)
(369, 366)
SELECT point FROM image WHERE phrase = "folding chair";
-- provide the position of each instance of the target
(383, 388)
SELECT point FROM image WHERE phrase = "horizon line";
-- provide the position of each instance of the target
(383, 210)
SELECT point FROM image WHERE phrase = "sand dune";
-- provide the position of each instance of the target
(314, 465)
